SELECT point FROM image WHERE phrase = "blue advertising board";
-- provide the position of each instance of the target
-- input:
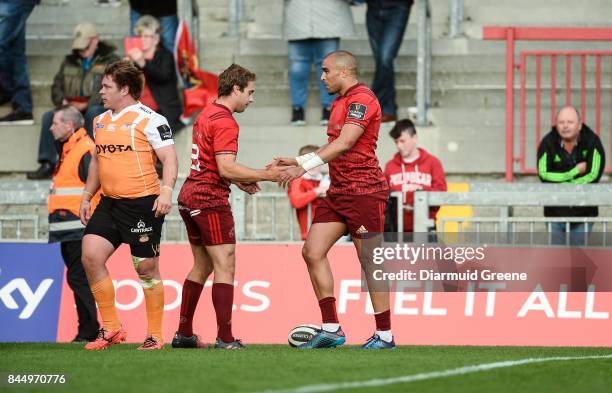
(31, 278)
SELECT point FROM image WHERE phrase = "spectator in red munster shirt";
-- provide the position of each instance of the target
(307, 190)
(411, 169)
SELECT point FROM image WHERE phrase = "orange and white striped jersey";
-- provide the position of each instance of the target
(125, 144)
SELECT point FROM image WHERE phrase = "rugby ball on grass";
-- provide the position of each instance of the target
(301, 334)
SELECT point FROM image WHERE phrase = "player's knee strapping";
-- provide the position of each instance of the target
(146, 283)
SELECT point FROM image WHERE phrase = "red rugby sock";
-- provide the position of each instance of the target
(383, 320)
(223, 299)
(328, 310)
(191, 295)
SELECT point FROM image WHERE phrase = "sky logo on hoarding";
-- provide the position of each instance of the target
(31, 278)
(32, 298)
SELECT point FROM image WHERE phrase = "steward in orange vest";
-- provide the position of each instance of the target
(67, 187)
(64, 202)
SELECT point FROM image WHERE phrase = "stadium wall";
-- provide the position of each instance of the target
(273, 295)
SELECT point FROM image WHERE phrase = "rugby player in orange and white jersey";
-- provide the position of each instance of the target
(130, 138)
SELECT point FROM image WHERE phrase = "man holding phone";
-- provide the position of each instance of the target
(77, 83)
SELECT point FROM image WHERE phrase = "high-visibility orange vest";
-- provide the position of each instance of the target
(67, 188)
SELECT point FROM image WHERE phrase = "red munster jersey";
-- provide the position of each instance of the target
(357, 171)
(426, 171)
(214, 132)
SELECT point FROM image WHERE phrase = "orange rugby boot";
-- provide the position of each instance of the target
(151, 343)
(105, 339)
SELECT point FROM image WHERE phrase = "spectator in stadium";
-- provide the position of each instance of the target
(411, 169)
(386, 22)
(307, 191)
(63, 205)
(157, 63)
(570, 153)
(313, 29)
(130, 138)
(164, 11)
(77, 83)
(14, 79)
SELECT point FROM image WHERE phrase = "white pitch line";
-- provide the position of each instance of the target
(327, 387)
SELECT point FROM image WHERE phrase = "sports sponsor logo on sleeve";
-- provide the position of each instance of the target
(165, 132)
(356, 111)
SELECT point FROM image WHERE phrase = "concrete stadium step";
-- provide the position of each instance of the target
(466, 96)
(265, 16)
(449, 47)
(19, 151)
(259, 144)
(468, 74)
(584, 13)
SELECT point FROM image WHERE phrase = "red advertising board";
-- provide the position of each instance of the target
(273, 294)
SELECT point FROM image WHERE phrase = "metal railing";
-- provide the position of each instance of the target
(268, 216)
(456, 17)
(190, 11)
(15, 227)
(506, 196)
(424, 50)
(513, 34)
(538, 230)
(251, 228)
(236, 13)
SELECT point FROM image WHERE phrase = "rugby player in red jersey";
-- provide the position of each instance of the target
(356, 200)
(205, 208)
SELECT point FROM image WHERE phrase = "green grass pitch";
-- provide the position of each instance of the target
(276, 368)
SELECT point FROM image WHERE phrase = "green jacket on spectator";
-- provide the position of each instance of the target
(71, 81)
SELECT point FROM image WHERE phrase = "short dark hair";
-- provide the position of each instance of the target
(308, 149)
(345, 59)
(404, 125)
(125, 73)
(234, 75)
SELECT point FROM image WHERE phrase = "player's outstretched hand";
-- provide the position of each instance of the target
(290, 173)
(250, 188)
(283, 161)
(85, 211)
(163, 203)
(274, 172)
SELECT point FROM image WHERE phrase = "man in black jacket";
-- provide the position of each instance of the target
(570, 153)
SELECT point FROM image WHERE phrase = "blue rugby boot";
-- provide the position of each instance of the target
(375, 342)
(236, 344)
(324, 339)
